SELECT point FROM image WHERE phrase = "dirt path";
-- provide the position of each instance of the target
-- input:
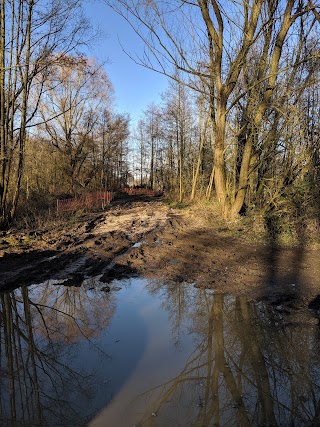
(83, 247)
(146, 237)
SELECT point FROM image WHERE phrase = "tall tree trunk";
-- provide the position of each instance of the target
(3, 157)
(151, 181)
(24, 107)
(219, 160)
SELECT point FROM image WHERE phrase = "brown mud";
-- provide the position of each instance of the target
(143, 236)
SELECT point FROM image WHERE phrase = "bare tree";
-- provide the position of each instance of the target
(77, 93)
(31, 32)
(111, 138)
(177, 130)
(212, 44)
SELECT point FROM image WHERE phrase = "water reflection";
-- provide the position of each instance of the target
(42, 329)
(154, 354)
(248, 365)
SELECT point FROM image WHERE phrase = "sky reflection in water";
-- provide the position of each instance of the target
(154, 354)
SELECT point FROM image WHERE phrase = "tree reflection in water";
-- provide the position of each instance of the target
(250, 366)
(41, 330)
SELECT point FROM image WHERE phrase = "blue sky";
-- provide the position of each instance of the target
(135, 87)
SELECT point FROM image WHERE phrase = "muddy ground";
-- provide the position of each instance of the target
(144, 236)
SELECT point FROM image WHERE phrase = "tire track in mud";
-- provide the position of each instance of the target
(148, 238)
(95, 247)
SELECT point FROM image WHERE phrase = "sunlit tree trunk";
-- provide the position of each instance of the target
(203, 134)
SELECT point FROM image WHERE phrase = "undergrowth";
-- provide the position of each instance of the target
(257, 226)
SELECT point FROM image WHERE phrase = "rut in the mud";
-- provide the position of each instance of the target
(146, 237)
(93, 245)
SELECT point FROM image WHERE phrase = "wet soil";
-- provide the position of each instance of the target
(143, 236)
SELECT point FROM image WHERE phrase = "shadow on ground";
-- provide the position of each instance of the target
(210, 258)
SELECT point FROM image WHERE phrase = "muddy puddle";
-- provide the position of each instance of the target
(154, 353)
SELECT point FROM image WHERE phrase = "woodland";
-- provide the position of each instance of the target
(235, 142)
(238, 125)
